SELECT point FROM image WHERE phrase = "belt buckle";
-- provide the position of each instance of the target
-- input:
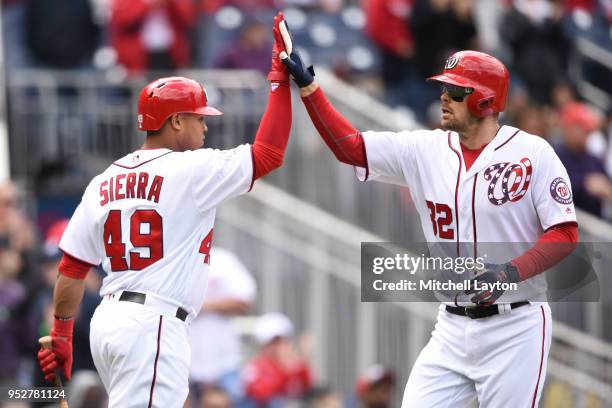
(181, 314)
(469, 311)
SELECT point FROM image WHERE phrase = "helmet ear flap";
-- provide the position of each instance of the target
(485, 103)
(480, 103)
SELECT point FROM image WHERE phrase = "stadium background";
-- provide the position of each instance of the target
(68, 110)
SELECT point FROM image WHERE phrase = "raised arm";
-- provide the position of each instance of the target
(275, 126)
(341, 137)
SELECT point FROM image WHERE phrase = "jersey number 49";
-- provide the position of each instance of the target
(146, 231)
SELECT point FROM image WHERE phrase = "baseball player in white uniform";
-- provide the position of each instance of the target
(474, 181)
(148, 221)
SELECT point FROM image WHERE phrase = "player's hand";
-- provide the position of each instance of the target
(503, 273)
(60, 355)
(303, 76)
(278, 72)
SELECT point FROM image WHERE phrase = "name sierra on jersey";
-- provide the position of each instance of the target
(131, 185)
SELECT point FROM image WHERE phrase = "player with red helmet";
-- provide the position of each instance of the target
(166, 96)
(148, 220)
(481, 77)
(473, 182)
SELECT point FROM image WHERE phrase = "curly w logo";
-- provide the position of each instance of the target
(509, 182)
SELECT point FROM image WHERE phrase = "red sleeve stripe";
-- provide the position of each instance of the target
(73, 268)
(77, 258)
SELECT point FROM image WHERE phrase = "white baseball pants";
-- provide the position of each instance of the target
(142, 354)
(498, 361)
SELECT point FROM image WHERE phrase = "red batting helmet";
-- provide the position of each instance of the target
(485, 74)
(167, 96)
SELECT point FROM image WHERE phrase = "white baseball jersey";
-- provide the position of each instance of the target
(148, 219)
(516, 189)
(214, 340)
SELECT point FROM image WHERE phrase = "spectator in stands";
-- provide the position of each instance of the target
(214, 397)
(61, 36)
(533, 119)
(439, 27)
(590, 16)
(215, 344)
(323, 397)
(375, 388)
(152, 34)
(12, 295)
(85, 390)
(279, 372)
(15, 228)
(607, 129)
(562, 94)
(590, 183)
(388, 25)
(10, 236)
(251, 50)
(586, 5)
(606, 10)
(16, 324)
(533, 30)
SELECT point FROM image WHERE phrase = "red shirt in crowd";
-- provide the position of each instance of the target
(266, 379)
(128, 19)
(388, 24)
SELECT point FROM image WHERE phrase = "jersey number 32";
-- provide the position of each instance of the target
(441, 218)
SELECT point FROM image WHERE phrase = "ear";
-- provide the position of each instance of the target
(175, 121)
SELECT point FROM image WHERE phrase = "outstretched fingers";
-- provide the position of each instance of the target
(286, 36)
(276, 31)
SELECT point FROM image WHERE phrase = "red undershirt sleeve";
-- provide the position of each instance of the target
(73, 268)
(343, 139)
(553, 246)
(273, 133)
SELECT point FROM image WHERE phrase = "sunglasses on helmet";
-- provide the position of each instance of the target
(456, 93)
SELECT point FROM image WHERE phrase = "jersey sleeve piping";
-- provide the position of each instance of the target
(91, 264)
(253, 164)
(562, 224)
(365, 157)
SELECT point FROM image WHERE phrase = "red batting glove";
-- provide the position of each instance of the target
(279, 72)
(60, 355)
